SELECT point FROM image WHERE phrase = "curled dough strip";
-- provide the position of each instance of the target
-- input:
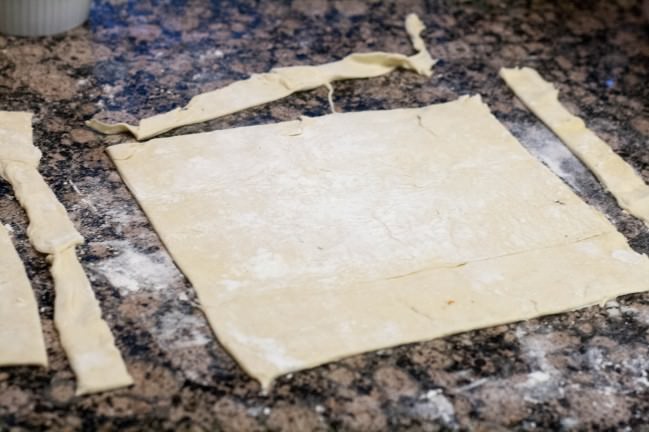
(277, 84)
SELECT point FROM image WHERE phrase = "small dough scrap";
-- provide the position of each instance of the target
(312, 240)
(21, 336)
(85, 336)
(277, 84)
(542, 98)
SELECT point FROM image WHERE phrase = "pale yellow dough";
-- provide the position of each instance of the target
(277, 84)
(312, 240)
(21, 337)
(540, 96)
(85, 337)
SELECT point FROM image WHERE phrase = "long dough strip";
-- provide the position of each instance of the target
(21, 337)
(85, 337)
(277, 84)
(540, 96)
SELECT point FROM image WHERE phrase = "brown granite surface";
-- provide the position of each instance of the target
(576, 371)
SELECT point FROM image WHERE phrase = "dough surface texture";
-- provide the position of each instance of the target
(85, 336)
(21, 337)
(540, 96)
(312, 240)
(280, 83)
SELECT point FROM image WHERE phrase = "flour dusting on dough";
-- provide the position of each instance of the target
(484, 278)
(626, 256)
(588, 248)
(267, 265)
(231, 285)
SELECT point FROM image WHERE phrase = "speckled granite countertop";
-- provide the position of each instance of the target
(581, 370)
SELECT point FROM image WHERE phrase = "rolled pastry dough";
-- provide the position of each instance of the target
(540, 96)
(85, 337)
(312, 240)
(277, 84)
(21, 337)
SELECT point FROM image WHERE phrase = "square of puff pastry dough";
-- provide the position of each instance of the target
(315, 239)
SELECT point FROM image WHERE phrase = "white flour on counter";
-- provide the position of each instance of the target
(130, 270)
(125, 267)
(546, 147)
(433, 405)
(544, 381)
(179, 331)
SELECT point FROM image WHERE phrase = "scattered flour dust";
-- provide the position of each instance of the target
(544, 145)
(543, 383)
(626, 256)
(130, 270)
(178, 330)
(433, 405)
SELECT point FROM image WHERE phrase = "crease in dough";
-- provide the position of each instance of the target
(85, 336)
(21, 336)
(279, 83)
(309, 242)
(542, 98)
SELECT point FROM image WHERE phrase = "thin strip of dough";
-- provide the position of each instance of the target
(277, 84)
(21, 337)
(540, 96)
(85, 336)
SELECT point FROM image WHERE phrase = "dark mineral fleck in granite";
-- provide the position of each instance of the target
(581, 370)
